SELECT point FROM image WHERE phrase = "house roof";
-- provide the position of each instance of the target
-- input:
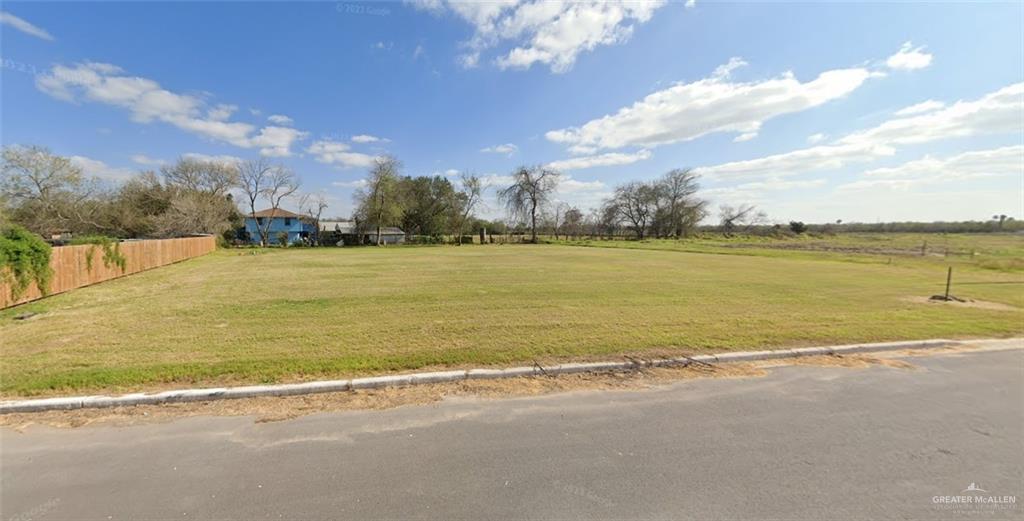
(342, 226)
(269, 212)
(349, 227)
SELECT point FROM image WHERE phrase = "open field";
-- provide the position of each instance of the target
(242, 316)
(1002, 251)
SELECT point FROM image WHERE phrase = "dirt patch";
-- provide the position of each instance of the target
(271, 409)
(965, 303)
(851, 361)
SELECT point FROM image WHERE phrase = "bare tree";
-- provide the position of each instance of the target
(192, 212)
(637, 203)
(530, 191)
(740, 218)
(608, 219)
(572, 222)
(282, 184)
(198, 175)
(46, 191)
(682, 209)
(314, 205)
(253, 178)
(558, 218)
(470, 198)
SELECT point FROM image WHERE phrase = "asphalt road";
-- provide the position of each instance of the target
(802, 443)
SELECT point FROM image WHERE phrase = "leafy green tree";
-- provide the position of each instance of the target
(378, 204)
(427, 204)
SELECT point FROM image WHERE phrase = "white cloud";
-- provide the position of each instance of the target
(725, 70)
(816, 138)
(690, 4)
(221, 112)
(339, 154)
(998, 162)
(822, 157)
(568, 185)
(451, 172)
(995, 113)
(24, 26)
(609, 159)
(96, 168)
(752, 192)
(366, 138)
(507, 148)
(746, 136)
(417, 52)
(495, 180)
(924, 106)
(551, 33)
(148, 102)
(358, 183)
(223, 158)
(909, 58)
(277, 141)
(780, 184)
(687, 111)
(145, 160)
(281, 119)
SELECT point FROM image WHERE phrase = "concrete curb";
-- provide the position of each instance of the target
(330, 386)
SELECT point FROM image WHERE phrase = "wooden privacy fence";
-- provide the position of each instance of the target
(72, 267)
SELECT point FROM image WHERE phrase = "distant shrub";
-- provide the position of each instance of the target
(282, 239)
(797, 227)
(24, 258)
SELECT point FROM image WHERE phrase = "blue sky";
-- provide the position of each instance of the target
(860, 112)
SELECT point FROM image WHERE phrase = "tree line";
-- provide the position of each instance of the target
(49, 194)
(666, 207)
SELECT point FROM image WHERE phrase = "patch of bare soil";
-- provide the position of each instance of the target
(964, 303)
(271, 409)
(851, 361)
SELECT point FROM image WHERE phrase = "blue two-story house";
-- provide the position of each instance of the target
(281, 221)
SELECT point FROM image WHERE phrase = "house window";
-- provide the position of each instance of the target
(259, 220)
(287, 221)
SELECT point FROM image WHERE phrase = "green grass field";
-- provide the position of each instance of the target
(993, 251)
(244, 316)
